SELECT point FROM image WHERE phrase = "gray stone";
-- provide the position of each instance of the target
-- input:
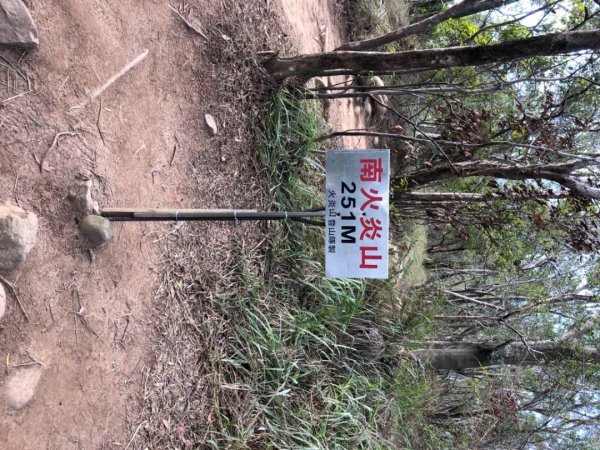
(2, 301)
(18, 233)
(16, 25)
(81, 196)
(96, 229)
(21, 386)
(211, 123)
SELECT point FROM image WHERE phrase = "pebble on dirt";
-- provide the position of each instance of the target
(211, 123)
(18, 234)
(16, 25)
(96, 229)
(81, 196)
(22, 385)
(2, 301)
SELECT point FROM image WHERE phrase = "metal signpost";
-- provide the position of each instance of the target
(183, 214)
(356, 214)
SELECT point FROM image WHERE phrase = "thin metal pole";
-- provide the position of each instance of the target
(152, 214)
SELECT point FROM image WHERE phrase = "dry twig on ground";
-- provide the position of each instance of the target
(192, 27)
(42, 161)
(13, 291)
(98, 91)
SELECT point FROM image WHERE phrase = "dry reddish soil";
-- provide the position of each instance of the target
(314, 26)
(143, 143)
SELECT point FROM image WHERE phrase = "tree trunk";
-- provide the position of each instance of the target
(426, 3)
(463, 9)
(457, 357)
(466, 357)
(465, 197)
(559, 173)
(330, 63)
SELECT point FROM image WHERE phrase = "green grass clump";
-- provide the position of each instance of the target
(289, 136)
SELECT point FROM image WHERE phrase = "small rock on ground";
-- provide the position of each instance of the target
(21, 386)
(18, 234)
(81, 196)
(2, 301)
(96, 229)
(211, 123)
(16, 25)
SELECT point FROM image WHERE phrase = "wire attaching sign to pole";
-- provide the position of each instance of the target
(357, 213)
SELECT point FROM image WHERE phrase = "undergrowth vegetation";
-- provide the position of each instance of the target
(369, 18)
(316, 358)
(266, 352)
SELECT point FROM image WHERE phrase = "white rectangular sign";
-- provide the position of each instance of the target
(357, 191)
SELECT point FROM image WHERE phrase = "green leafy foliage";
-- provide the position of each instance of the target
(578, 15)
(457, 32)
(514, 31)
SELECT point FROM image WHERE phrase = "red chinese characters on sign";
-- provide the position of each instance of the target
(371, 228)
(366, 256)
(371, 170)
(372, 199)
(357, 233)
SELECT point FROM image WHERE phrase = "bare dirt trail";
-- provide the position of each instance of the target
(314, 26)
(143, 144)
(125, 143)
